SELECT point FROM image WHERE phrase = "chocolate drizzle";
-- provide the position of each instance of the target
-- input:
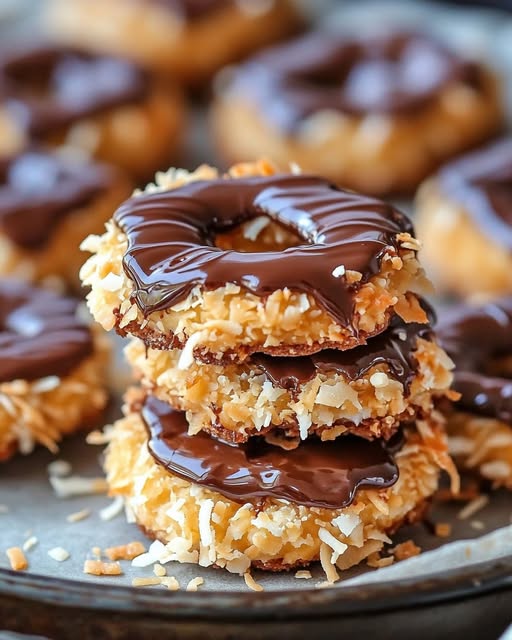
(476, 338)
(394, 347)
(37, 189)
(316, 474)
(193, 9)
(171, 238)
(394, 73)
(40, 334)
(47, 88)
(482, 183)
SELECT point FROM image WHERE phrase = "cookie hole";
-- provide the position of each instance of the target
(256, 236)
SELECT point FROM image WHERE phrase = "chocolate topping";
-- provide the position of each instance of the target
(37, 189)
(171, 238)
(316, 474)
(482, 183)
(474, 337)
(396, 73)
(193, 9)
(47, 88)
(394, 347)
(40, 334)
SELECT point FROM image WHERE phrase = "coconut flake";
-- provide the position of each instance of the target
(77, 486)
(59, 554)
(112, 510)
(253, 229)
(347, 522)
(187, 355)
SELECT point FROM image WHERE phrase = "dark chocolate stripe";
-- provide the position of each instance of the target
(397, 73)
(38, 189)
(482, 183)
(315, 474)
(474, 337)
(40, 334)
(171, 237)
(46, 87)
(395, 348)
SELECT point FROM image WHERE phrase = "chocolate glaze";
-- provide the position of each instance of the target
(474, 337)
(482, 183)
(393, 73)
(171, 238)
(40, 334)
(48, 87)
(37, 189)
(193, 9)
(316, 474)
(394, 347)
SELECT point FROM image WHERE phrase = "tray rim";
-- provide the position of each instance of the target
(439, 587)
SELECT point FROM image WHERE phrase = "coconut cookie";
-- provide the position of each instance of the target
(376, 114)
(187, 40)
(465, 223)
(258, 505)
(367, 391)
(48, 203)
(107, 107)
(479, 339)
(52, 369)
(165, 270)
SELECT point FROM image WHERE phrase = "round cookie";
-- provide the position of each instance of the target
(107, 107)
(376, 114)
(187, 40)
(165, 272)
(52, 369)
(464, 216)
(367, 391)
(278, 519)
(48, 203)
(479, 424)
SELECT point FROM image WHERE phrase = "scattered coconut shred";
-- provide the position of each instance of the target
(59, 554)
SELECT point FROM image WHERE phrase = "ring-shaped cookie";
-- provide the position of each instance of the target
(376, 114)
(158, 274)
(479, 340)
(464, 222)
(105, 106)
(52, 369)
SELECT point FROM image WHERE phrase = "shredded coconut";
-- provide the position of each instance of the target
(59, 554)
(251, 582)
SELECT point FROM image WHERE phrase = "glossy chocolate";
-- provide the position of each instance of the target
(482, 183)
(38, 189)
(47, 88)
(395, 73)
(171, 237)
(475, 338)
(316, 474)
(40, 334)
(394, 347)
(193, 9)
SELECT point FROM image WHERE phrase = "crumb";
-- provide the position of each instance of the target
(405, 550)
(17, 559)
(59, 468)
(30, 543)
(97, 437)
(77, 486)
(59, 554)
(112, 510)
(170, 582)
(96, 551)
(78, 515)
(195, 583)
(145, 582)
(303, 575)
(473, 507)
(99, 568)
(443, 529)
(477, 525)
(125, 551)
(375, 560)
(159, 571)
(251, 582)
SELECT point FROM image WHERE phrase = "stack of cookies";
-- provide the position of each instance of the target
(288, 371)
